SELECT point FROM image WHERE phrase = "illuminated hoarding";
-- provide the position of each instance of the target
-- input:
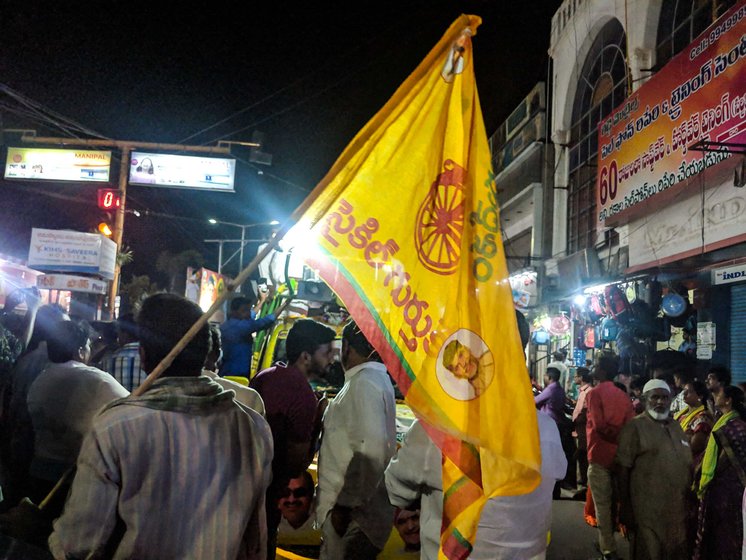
(184, 172)
(700, 95)
(72, 251)
(58, 165)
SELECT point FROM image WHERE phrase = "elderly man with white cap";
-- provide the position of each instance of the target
(654, 461)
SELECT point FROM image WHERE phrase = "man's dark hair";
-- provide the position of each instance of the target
(239, 302)
(212, 361)
(684, 375)
(584, 373)
(216, 340)
(559, 356)
(721, 373)
(607, 366)
(553, 373)
(306, 335)
(162, 322)
(65, 340)
(637, 382)
(358, 342)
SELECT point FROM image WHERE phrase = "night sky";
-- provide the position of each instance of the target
(307, 77)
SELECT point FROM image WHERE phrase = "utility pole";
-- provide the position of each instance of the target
(125, 147)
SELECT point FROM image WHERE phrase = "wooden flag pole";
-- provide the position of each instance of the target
(196, 327)
(240, 279)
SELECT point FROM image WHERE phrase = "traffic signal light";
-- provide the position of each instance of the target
(105, 229)
(108, 199)
(105, 222)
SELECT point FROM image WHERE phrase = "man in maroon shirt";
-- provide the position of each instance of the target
(292, 410)
(609, 409)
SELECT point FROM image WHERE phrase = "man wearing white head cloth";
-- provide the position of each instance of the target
(654, 461)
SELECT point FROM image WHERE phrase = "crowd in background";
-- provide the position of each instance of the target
(662, 458)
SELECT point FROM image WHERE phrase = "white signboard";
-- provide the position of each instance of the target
(677, 230)
(72, 251)
(58, 165)
(184, 172)
(72, 283)
(706, 334)
(729, 274)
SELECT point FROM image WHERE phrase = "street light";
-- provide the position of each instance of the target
(242, 241)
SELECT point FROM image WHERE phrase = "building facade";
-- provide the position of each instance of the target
(646, 131)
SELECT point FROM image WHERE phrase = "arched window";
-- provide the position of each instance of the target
(602, 86)
(680, 23)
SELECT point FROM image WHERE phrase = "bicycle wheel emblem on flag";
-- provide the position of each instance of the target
(440, 221)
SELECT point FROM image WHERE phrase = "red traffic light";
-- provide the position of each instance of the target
(108, 199)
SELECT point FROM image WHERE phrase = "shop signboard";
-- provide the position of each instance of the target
(686, 228)
(71, 283)
(72, 251)
(729, 274)
(182, 172)
(644, 145)
(58, 164)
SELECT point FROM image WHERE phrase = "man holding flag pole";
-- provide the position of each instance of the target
(405, 228)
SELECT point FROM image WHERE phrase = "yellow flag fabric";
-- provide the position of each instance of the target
(406, 230)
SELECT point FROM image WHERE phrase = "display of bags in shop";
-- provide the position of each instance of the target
(609, 329)
(617, 304)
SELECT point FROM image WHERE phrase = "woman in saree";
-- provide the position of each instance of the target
(721, 482)
(695, 419)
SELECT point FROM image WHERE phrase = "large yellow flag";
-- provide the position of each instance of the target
(406, 230)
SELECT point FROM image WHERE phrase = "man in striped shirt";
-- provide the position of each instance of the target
(178, 472)
(124, 363)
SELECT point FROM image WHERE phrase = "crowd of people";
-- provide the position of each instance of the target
(663, 458)
(236, 471)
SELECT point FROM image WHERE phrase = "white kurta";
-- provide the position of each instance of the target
(245, 395)
(62, 403)
(358, 441)
(510, 528)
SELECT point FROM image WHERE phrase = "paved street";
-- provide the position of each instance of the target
(572, 538)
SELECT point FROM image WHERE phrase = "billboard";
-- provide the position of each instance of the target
(204, 286)
(58, 164)
(54, 250)
(184, 172)
(644, 145)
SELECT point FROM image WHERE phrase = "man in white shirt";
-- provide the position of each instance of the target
(63, 401)
(510, 528)
(558, 361)
(244, 394)
(358, 441)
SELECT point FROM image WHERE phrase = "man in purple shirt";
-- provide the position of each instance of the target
(551, 400)
(292, 410)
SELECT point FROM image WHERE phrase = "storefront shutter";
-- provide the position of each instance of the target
(738, 333)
